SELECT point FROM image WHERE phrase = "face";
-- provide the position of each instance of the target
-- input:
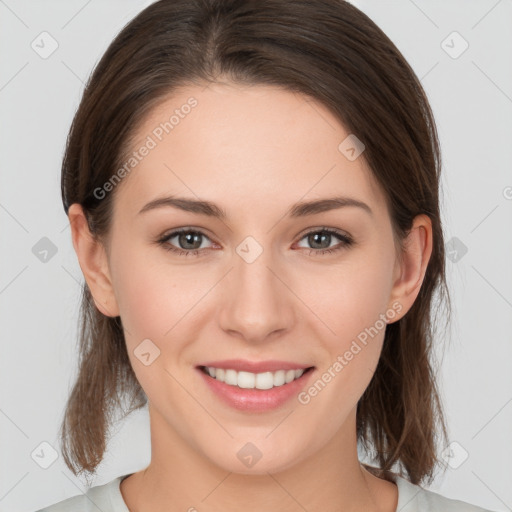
(259, 284)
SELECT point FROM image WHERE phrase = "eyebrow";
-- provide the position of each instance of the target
(300, 209)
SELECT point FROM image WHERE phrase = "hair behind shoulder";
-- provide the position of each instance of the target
(334, 53)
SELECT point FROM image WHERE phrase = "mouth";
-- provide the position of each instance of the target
(257, 381)
(250, 392)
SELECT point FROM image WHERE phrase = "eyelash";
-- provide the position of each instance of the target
(346, 241)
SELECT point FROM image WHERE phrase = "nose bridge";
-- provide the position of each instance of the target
(256, 301)
(251, 271)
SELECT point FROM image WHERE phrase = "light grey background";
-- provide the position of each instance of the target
(471, 96)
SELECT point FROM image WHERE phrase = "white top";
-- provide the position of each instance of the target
(411, 498)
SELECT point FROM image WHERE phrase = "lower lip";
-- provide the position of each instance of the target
(256, 400)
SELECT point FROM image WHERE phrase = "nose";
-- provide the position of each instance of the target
(255, 301)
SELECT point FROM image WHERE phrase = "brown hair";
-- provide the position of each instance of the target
(334, 53)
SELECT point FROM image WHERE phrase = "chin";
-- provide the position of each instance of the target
(254, 458)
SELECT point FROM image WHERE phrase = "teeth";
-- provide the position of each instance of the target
(248, 380)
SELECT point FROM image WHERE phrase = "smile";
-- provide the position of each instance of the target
(239, 389)
(249, 380)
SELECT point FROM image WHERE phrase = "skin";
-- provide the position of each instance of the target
(254, 151)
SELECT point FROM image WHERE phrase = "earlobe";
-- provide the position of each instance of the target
(93, 261)
(410, 273)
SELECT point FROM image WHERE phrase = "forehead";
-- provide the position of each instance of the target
(243, 147)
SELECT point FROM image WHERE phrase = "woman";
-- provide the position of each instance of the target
(252, 188)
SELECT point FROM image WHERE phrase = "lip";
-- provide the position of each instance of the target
(243, 365)
(256, 400)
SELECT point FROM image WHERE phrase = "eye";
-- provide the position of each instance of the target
(319, 237)
(189, 241)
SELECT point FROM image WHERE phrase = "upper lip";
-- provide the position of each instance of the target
(243, 365)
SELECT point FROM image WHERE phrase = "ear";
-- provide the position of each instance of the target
(93, 261)
(410, 272)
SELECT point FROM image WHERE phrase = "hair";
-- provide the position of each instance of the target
(334, 53)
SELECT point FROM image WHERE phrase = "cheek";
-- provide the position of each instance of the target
(150, 307)
(160, 300)
(352, 303)
(351, 296)
(146, 295)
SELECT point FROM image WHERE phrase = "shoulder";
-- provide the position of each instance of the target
(413, 498)
(101, 497)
